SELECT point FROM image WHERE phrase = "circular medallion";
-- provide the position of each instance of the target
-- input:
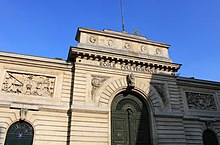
(127, 46)
(158, 51)
(92, 39)
(144, 49)
(110, 43)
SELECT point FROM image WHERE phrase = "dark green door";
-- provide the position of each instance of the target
(130, 121)
(20, 133)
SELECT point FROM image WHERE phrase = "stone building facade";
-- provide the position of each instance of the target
(114, 89)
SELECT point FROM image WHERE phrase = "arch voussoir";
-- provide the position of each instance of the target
(112, 87)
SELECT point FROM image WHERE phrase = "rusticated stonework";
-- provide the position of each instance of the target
(28, 84)
(200, 101)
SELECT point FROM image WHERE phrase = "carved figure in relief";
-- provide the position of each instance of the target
(200, 101)
(28, 84)
(131, 80)
(96, 82)
(23, 113)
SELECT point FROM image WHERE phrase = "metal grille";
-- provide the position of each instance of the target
(20, 133)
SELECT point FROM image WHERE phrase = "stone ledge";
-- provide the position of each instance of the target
(116, 58)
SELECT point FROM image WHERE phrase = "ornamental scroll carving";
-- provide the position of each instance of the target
(200, 101)
(96, 82)
(28, 84)
(160, 88)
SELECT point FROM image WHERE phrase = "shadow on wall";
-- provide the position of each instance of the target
(69, 112)
(1, 135)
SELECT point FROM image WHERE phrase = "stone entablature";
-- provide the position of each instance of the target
(121, 62)
(122, 43)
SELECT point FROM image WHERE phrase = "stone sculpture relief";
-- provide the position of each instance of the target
(131, 80)
(127, 46)
(160, 88)
(158, 51)
(144, 49)
(23, 113)
(200, 101)
(92, 39)
(28, 84)
(110, 43)
(96, 82)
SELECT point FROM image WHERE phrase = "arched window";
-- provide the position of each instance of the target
(20, 133)
(209, 138)
(130, 120)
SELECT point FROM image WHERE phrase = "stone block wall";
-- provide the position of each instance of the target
(38, 91)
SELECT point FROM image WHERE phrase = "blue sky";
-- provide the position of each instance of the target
(47, 28)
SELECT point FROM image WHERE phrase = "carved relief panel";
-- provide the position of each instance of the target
(96, 83)
(28, 84)
(200, 101)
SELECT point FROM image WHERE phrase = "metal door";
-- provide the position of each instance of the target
(130, 121)
(20, 133)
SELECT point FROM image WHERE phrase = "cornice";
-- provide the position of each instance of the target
(183, 81)
(118, 58)
(27, 60)
(119, 35)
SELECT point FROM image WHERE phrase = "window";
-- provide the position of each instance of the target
(209, 138)
(20, 133)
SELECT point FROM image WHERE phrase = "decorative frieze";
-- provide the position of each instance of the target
(28, 84)
(200, 101)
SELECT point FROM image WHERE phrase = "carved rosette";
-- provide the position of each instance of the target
(28, 84)
(158, 51)
(127, 46)
(144, 49)
(198, 101)
(97, 82)
(160, 88)
(92, 39)
(110, 43)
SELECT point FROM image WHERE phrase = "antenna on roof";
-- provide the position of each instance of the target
(122, 17)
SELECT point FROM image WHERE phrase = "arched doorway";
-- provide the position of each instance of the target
(209, 138)
(130, 120)
(20, 133)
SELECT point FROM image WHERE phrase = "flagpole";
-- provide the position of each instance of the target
(122, 17)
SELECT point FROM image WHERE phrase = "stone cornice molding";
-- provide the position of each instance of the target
(26, 60)
(116, 58)
(192, 82)
(119, 35)
(33, 107)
